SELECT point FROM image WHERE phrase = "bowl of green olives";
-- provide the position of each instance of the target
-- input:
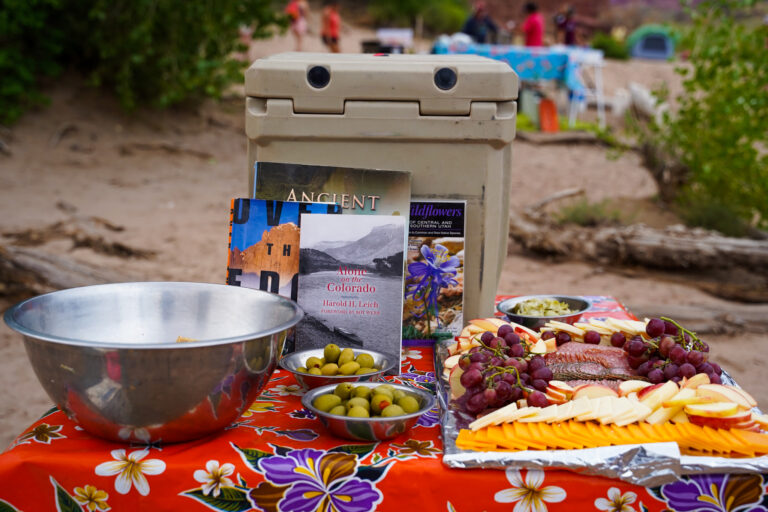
(368, 411)
(330, 365)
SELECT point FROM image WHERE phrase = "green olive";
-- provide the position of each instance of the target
(338, 410)
(301, 369)
(398, 394)
(380, 402)
(385, 389)
(331, 353)
(349, 368)
(343, 389)
(330, 369)
(358, 412)
(364, 360)
(362, 392)
(392, 410)
(358, 402)
(409, 404)
(345, 356)
(315, 371)
(327, 402)
(364, 371)
(314, 362)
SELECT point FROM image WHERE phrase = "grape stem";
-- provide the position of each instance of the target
(502, 370)
(695, 341)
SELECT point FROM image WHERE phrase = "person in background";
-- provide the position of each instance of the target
(331, 25)
(479, 24)
(566, 24)
(297, 11)
(533, 26)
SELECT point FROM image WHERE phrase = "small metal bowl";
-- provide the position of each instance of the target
(291, 362)
(369, 429)
(578, 306)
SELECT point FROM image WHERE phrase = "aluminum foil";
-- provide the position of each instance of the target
(649, 465)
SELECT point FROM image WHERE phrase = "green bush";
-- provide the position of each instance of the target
(30, 48)
(440, 16)
(583, 213)
(612, 48)
(147, 52)
(718, 131)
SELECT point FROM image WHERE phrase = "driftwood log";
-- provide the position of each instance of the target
(25, 272)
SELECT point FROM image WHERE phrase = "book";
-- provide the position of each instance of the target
(351, 282)
(264, 243)
(358, 191)
(434, 278)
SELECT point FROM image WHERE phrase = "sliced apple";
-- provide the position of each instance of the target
(471, 330)
(639, 413)
(722, 393)
(551, 344)
(683, 397)
(641, 393)
(454, 380)
(749, 398)
(593, 391)
(562, 387)
(488, 324)
(663, 414)
(540, 347)
(658, 395)
(712, 410)
(451, 361)
(556, 397)
(696, 381)
(725, 422)
(680, 417)
(761, 419)
(632, 386)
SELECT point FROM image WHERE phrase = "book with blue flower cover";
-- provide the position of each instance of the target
(434, 278)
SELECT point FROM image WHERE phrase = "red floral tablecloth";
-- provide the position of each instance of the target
(278, 457)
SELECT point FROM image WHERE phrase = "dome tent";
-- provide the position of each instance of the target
(652, 42)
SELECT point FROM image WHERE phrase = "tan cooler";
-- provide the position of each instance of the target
(448, 119)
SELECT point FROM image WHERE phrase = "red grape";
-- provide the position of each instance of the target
(618, 339)
(535, 363)
(497, 343)
(562, 337)
(705, 368)
(671, 370)
(539, 384)
(510, 378)
(504, 330)
(479, 357)
(592, 337)
(490, 395)
(543, 373)
(695, 357)
(537, 399)
(716, 368)
(715, 379)
(516, 394)
(670, 328)
(487, 336)
(665, 345)
(655, 327)
(655, 376)
(477, 366)
(547, 335)
(636, 361)
(686, 370)
(503, 391)
(516, 350)
(678, 355)
(464, 362)
(635, 347)
(496, 361)
(644, 368)
(512, 339)
(476, 403)
(471, 377)
(525, 378)
(704, 347)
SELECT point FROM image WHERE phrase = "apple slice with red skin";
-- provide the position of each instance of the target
(556, 397)
(454, 379)
(713, 409)
(632, 386)
(722, 393)
(593, 391)
(695, 381)
(562, 387)
(742, 418)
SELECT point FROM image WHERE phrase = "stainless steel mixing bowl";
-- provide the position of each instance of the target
(108, 357)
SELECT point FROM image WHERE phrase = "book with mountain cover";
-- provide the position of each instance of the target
(351, 282)
(434, 277)
(264, 243)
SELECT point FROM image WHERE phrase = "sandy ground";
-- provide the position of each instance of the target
(81, 151)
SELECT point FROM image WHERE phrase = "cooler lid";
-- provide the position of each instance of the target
(323, 82)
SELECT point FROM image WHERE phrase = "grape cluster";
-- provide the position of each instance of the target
(502, 371)
(670, 352)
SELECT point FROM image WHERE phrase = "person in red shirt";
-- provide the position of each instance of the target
(331, 26)
(533, 26)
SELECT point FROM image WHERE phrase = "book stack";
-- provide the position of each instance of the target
(369, 267)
